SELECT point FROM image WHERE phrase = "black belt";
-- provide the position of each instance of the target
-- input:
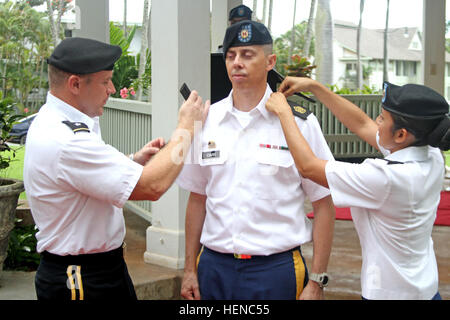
(90, 258)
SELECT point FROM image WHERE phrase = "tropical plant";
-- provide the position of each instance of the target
(59, 7)
(8, 117)
(324, 42)
(144, 47)
(269, 18)
(282, 45)
(365, 90)
(22, 253)
(291, 48)
(24, 44)
(145, 80)
(385, 45)
(359, 73)
(126, 68)
(309, 28)
(300, 67)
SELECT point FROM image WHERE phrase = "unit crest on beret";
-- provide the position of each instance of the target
(245, 35)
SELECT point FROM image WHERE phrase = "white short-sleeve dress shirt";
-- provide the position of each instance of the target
(255, 194)
(393, 206)
(76, 185)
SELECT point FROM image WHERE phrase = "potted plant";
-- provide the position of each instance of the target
(10, 189)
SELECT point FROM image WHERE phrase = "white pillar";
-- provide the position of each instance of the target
(94, 20)
(180, 53)
(219, 20)
(434, 44)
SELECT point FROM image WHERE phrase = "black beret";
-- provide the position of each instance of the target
(83, 56)
(240, 12)
(246, 33)
(414, 101)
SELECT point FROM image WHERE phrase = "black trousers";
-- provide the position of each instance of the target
(99, 276)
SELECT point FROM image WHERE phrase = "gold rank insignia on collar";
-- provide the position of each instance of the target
(298, 110)
(77, 126)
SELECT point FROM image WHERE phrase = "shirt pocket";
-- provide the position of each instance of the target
(277, 177)
(214, 164)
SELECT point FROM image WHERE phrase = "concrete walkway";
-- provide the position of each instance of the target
(154, 282)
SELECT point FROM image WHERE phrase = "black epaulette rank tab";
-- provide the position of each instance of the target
(393, 162)
(298, 110)
(77, 126)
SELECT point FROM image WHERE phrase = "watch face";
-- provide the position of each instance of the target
(325, 280)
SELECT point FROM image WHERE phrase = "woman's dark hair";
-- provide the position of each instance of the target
(434, 132)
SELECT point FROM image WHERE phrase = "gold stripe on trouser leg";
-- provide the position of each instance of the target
(198, 257)
(71, 282)
(80, 283)
(299, 268)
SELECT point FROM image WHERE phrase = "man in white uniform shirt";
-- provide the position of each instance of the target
(76, 185)
(247, 197)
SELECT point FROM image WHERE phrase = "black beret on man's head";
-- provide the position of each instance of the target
(240, 11)
(414, 101)
(246, 33)
(84, 56)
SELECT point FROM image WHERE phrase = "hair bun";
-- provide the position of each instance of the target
(440, 136)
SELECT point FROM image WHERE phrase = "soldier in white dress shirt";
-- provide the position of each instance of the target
(246, 196)
(393, 200)
(76, 184)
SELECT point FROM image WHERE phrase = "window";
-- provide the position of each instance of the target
(398, 68)
(405, 68)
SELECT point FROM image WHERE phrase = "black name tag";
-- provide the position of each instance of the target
(211, 154)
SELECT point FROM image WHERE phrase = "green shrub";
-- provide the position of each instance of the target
(22, 253)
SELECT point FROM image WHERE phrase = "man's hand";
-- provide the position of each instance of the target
(312, 291)
(193, 110)
(151, 148)
(291, 85)
(189, 286)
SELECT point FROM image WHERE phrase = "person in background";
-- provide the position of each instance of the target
(237, 14)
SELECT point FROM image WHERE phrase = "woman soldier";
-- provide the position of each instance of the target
(393, 200)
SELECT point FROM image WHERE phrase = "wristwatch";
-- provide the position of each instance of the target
(320, 278)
